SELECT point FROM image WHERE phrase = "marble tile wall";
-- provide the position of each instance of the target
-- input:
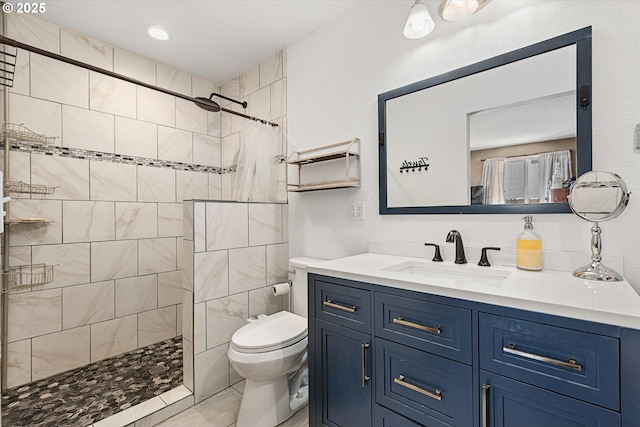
(115, 230)
(237, 251)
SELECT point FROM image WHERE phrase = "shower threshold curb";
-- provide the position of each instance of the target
(152, 411)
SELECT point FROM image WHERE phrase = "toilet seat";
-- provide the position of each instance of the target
(277, 331)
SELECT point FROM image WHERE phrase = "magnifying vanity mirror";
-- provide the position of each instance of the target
(598, 196)
(505, 135)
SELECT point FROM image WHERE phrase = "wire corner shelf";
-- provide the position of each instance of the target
(27, 276)
(23, 187)
(22, 133)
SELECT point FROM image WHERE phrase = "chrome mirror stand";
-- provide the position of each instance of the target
(598, 196)
(596, 270)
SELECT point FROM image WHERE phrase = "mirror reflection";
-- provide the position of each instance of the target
(508, 135)
(599, 196)
(523, 152)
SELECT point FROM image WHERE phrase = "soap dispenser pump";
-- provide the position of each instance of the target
(528, 248)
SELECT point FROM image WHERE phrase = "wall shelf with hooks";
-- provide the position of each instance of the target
(347, 176)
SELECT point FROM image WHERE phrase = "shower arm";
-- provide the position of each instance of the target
(11, 42)
(243, 103)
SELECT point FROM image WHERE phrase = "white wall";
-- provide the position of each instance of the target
(336, 73)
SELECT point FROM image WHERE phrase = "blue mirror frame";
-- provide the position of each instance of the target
(582, 39)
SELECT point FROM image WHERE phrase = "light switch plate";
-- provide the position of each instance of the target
(636, 137)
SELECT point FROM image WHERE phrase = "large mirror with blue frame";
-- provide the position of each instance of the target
(505, 135)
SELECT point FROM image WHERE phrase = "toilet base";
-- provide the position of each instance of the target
(268, 403)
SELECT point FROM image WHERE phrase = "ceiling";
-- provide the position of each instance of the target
(214, 39)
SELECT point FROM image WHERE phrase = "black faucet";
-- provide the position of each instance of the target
(454, 236)
(484, 261)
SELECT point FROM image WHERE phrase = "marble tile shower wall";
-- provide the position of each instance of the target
(233, 252)
(116, 232)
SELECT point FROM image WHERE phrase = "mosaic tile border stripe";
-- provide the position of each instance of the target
(78, 153)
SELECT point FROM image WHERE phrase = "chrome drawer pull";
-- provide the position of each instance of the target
(365, 377)
(400, 320)
(571, 363)
(329, 303)
(485, 403)
(400, 380)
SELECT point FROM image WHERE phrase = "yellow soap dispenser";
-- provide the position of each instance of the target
(528, 248)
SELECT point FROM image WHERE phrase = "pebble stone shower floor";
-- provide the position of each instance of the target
(94, 392)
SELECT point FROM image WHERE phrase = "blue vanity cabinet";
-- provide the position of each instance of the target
(340, 359)
(400, 358)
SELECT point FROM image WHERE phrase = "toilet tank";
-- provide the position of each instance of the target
(299, 284)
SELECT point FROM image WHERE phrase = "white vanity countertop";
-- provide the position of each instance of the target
(551, 292)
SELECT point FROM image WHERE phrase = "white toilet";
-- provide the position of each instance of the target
(271, 353)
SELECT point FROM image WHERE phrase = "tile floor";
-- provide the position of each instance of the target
(221, 410)
(121, 391)
(97, 391)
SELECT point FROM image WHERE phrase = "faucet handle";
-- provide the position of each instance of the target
(436, 257)
(484, 261)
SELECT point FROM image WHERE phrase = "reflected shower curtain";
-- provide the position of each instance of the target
(492, 181)
(256, 176)
(547, 162)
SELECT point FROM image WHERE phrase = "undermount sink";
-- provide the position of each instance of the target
(451, 271)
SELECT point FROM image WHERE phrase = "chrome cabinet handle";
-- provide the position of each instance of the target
(329, 303)
(400, 320)
(485, 401)
(571, 363)
(365, 378)
(400, 380)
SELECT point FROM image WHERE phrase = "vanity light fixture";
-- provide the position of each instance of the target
(457, 10)
(419, 23)
(157, 32)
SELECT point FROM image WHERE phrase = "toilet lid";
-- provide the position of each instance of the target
(276, 331)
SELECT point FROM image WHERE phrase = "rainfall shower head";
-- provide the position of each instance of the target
(210, 105)
(207, 104)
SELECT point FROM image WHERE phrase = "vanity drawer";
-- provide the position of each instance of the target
(343, 305)
(428, 389)
(578, 364)
(432, 327)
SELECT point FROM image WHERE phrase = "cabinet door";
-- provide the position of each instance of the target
(343, 368)
(510, 403)
(384, 418)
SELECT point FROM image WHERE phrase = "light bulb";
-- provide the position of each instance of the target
(419, 23)
(456, 10)
(157, 32)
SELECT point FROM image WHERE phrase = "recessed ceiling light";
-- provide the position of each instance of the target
(157, 32)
